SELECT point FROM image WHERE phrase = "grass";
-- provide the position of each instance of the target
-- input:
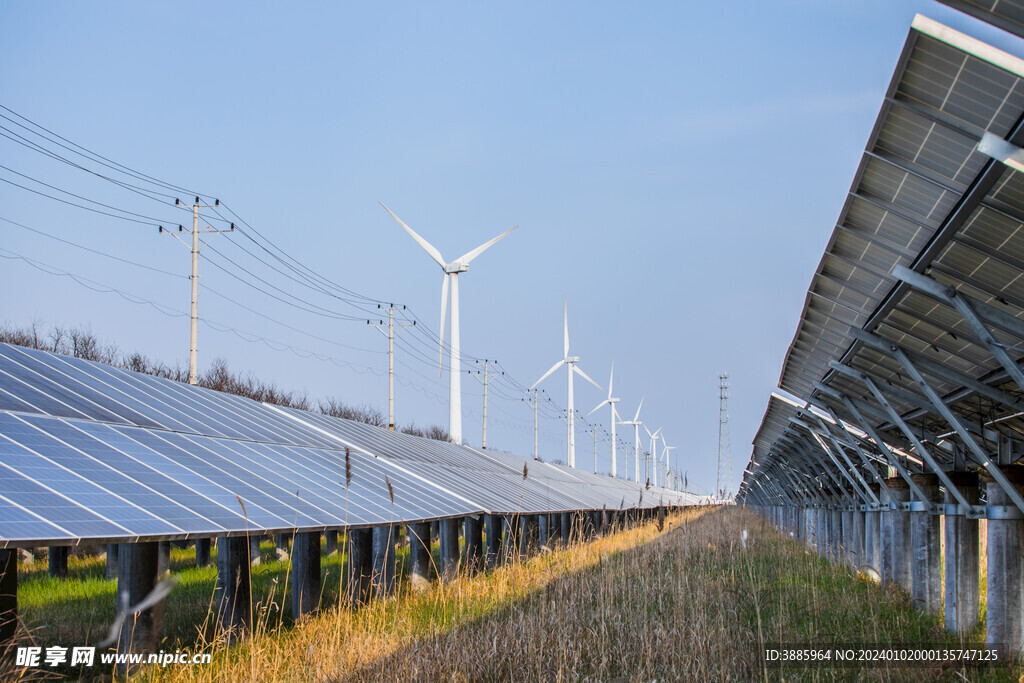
(684, 603)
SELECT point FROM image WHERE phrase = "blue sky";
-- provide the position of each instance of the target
(675, 169)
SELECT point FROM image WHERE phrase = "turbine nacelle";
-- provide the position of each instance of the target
(455, 267)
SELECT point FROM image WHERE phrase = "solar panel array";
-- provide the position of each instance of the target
(926, 198)
(97, 453)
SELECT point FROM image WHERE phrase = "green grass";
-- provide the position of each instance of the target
(79, 610)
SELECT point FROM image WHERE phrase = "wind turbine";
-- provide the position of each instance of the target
(636, 437)
(653, 454)
(665, 448)
(615, 415)
(570, 362)
(451, 276)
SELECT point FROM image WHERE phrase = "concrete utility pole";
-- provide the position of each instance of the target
(193, 356)
(391, 357)
(536, 455)
(486, 374)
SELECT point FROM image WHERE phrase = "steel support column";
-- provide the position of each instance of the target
(962, 588)
(419, 555)
(926, 545)
(1004, 622)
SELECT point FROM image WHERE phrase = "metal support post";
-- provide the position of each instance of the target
(234, 607)
(472, 531)
(419, 555)
(202, 552)
(926, 543)
(111, 559)
(900, 533)
(494, 528)
(449, 537)
(137, 577)
(305, 573)
(254, 549)
(962, 588)
(331, 542)
(1004, 620)
(383, 540)
(360, 564)
(543, 531)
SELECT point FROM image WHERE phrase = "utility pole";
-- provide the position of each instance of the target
(595, 448)
(391, 357)
(486, 374)
(724, 450)
(536, 453)
(193, 355)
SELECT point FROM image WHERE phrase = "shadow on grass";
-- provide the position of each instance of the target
(692, 604)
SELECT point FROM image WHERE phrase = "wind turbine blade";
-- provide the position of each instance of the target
(584, 376)
(648, 432)
(444, 312)
(656, 433)
(545, 376)
(637, 416)
(566, 347)
(611, 375)
(596, 407)
(470, 255)
(427, 246)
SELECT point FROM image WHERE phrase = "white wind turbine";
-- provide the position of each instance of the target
(665, 449)
(451, 275)
(636, 437)
(570, 362)
(653, 454)
(615, 415)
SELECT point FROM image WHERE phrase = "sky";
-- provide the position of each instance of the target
(675, 170)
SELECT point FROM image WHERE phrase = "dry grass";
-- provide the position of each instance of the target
(686, 603)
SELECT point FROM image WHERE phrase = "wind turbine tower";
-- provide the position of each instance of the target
(615, 416)
(636, 441)
(724, 488)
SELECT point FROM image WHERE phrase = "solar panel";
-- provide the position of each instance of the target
(92, 452)
(1006, 14)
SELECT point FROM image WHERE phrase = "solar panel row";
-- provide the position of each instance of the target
(91, 452)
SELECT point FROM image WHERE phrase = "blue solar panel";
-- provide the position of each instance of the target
(88, 451)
